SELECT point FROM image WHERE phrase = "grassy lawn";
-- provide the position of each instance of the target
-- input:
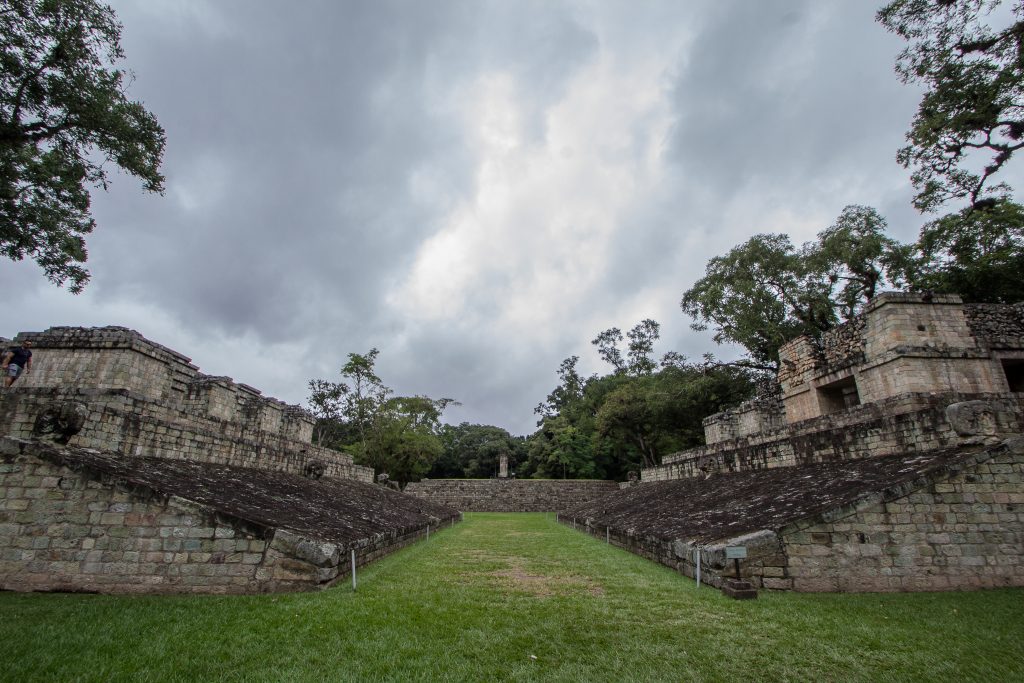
(514, 597)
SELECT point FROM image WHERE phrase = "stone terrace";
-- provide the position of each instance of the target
(950, 518)
(79, 519)
(122, 392)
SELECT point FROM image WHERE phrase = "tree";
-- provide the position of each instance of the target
(855, 254)
(474, 451)
(394, 434)
(664, 412)
(977, 253)
(568, 391)
(766, 292)
(638, 360)
(607, 344)
(641, 346)
(974, 102)
(365, 395)
(760, 295)
(64, 117)
(326, 402)
(404, 437)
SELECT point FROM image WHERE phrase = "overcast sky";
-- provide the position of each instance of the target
(475, 188)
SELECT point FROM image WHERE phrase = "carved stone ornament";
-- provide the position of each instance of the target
(60, 421)
(314, 469)
(972, 418)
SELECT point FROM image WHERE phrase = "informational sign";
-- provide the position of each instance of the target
(735, 552)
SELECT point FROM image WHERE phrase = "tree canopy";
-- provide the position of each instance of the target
(64, 117)
(968, 55)
(400, 435)
(765, 292)
(977, 253)
(474, 451)
(604, 426)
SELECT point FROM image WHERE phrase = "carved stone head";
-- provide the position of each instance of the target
(314, 469)
(59, 422)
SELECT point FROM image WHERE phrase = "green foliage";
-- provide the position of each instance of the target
(404, 437)
(64, 117)
(638, 360)
(856, 256)
(399, 435)
(662, 413)
(759, 295)
(326, 401)
(765, 292)
(474, 451)
(974, 101)
(603, 427)
(977, 253)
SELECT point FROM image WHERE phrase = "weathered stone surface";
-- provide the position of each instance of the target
(734, 504)
(949, 519)
(60, 421)
(79, 519)
(140, 398)
(510, 495)
(972, 418)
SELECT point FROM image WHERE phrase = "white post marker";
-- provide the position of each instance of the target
(698, 567)
(608, 535)
(353, 568)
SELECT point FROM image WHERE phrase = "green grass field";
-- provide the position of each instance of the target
(514, 597)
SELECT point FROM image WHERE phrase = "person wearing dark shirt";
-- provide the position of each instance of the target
(16, 360)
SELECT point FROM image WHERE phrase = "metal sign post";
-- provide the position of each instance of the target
(353, 569)
(736, 553)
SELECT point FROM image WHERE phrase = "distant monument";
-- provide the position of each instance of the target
(503, 467)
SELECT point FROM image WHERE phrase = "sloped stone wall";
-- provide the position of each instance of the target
(511, 495)
(963, 533)
(78, 521)
(948, 520)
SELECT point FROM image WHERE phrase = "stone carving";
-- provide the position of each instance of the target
(384, 480)
(314, 469)
(972, 418)
(60, 421)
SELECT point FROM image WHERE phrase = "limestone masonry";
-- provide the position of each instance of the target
(892, 459)
(125, 469)
(511, 495)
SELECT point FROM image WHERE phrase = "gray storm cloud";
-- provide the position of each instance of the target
(476, 189)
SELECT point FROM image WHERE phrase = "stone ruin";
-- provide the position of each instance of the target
(511, 495)
(125, 469)
(891, 460)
